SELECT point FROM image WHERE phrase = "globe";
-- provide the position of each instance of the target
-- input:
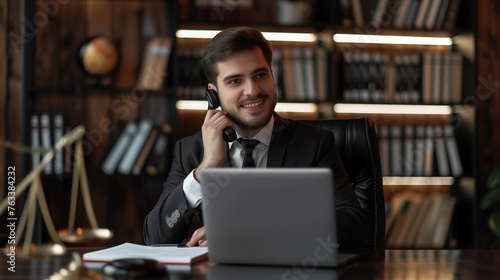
(98, 56)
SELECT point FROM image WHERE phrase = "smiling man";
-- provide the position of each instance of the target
(237, 63)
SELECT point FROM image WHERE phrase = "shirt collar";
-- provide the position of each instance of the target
(264, 135)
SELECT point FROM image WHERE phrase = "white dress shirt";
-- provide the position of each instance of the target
(191, 187)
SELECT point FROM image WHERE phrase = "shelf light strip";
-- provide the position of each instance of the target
(401, 109)
(280, 107)
(392, 39)
(417, 181)
(271, 36)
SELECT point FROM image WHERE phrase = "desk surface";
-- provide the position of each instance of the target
(398, 264)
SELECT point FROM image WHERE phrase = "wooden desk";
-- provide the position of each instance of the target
(398, 264)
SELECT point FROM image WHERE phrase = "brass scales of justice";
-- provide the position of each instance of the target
(36, 194)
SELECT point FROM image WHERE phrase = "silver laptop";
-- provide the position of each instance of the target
(271, 216)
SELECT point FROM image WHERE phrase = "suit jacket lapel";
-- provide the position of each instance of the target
(279, 140)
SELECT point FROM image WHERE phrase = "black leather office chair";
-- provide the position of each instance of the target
(357, 142)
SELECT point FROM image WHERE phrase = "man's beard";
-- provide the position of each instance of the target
(253, 123)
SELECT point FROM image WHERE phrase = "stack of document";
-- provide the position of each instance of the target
(164, 255)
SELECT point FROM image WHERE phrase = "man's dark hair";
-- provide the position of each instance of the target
(230, 41)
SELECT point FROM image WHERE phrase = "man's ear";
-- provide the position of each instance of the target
(212, 86)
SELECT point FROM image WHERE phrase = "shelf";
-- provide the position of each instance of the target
(417, 181)
(86, 90)
(392, 109)
(280, 106)
(274, 36)
(392, 39)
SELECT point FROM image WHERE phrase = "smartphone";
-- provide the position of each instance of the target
(228, 134)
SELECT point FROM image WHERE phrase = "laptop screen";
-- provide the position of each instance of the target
(272, 216)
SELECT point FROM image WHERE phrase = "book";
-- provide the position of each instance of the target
(288, 75)
(441, 16)
(447, 79)
(347, 76)
(409, 151)
(159, 155)
(391, 11)
(379, 13)
(429, 151)
(398, 79)
(309, 75)
(298, 74)
(383, 133)
(408, 221)
(130, 157)
(423, 13)
(154, 64)
(357, 13)
(415, 78)
(396, 150)
(443, 222)
(452, 149)
(164, 255)
(364, 92)
(437, 78)
(433, 14)
(35, 141)
(414, 11)
(427, 59)
(377, 76)
(58, 134)
(401, 14)
(119, 148)
(398, 221)
(418, 220)
(456, 78)
(322, 73)
(441, 155)
(46, 138)
(419, 155)
(141, 159)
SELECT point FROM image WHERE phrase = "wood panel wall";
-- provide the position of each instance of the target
(3, 89)
(488, 101)
(11, 86)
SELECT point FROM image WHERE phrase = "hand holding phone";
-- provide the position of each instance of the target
(229, 135)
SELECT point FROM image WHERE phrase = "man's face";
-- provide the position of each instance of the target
(246, 89)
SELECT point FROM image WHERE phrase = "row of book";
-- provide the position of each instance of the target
(429, 78)
(300, 73)
(141, 147)
(419, 151)
(46, 131)
(417, 220)
(400, 14)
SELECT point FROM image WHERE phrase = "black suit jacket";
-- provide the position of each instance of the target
(293, 144)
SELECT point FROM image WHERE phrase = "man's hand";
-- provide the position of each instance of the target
(213, 143)
(199, 237)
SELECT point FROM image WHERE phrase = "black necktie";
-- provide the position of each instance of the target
(248, 146)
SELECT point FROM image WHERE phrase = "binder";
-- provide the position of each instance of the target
(119, 148)
(58, 134)
(46, 139)
(454, 155)
(136, 145)
(35, 140)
